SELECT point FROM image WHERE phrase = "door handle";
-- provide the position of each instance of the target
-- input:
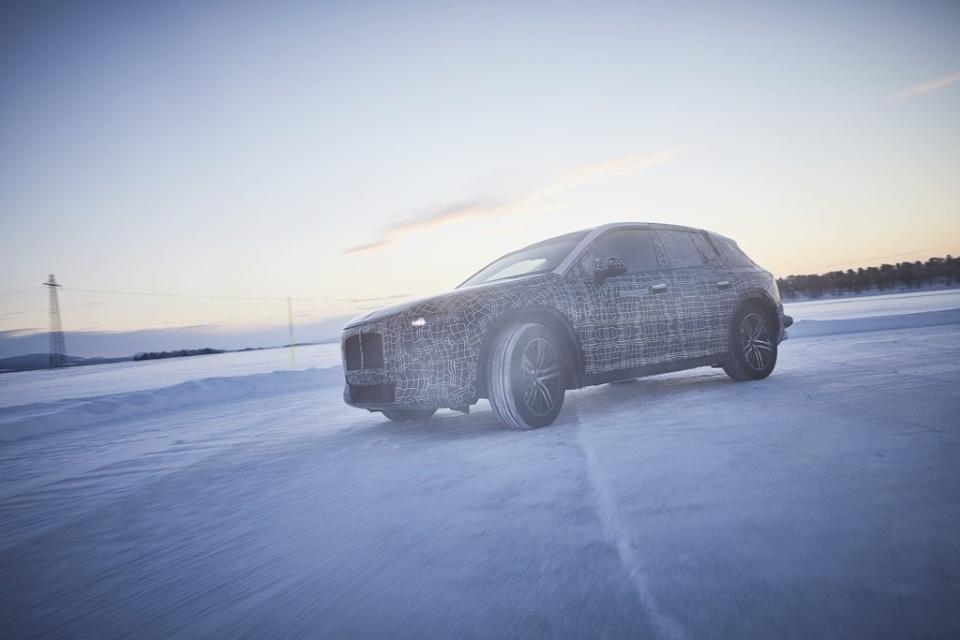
(723, 284)
(658, 288)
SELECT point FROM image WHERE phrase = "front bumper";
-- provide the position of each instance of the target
(785, 322)
(389, 363)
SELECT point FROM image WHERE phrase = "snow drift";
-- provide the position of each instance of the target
(32, 420)
(814, 328)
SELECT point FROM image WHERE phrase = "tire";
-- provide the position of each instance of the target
(525, 379)
(752, 352)
(408, 415)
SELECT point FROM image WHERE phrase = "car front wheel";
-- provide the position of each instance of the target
(753, 344)
(525, 378)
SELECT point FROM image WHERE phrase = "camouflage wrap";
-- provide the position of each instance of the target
(619, 324)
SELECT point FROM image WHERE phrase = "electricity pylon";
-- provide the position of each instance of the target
(293, 342)
(58, 346)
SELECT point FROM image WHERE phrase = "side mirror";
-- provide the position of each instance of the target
(613, 267)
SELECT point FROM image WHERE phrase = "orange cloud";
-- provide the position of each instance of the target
(531, 201)
(446, 214)
(369, 246)
(929, 85)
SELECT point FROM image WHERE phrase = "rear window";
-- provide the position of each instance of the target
(707, 248)
(731, 253)
(680, 249)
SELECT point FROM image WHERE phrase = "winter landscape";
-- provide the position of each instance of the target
(202, 203)
(224, 495)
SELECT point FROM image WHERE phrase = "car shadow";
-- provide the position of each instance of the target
(580, 404)
(444, 425)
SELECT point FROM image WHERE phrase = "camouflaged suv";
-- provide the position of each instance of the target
(600, 305)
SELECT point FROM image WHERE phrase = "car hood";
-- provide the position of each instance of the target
(449, 300)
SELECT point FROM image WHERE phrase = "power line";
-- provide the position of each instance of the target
(198, 296)
(14, 295)
(171, 295)
(893, 255)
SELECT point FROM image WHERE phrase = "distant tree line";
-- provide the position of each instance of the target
(934, 273)
(156, 355)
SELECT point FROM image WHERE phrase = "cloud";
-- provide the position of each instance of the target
(16, 333)
(600, 171)
(929, 85)
(438, 216)
(369, 246)
(532, 201)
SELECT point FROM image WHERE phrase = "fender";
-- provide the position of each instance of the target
(542, 314)
(755, 294)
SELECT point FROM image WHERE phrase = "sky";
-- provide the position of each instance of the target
(353, 154)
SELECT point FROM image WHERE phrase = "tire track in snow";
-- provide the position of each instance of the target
(619, 536)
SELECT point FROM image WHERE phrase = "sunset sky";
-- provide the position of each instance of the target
(344, 152)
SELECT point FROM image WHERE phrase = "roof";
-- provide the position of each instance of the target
(597, 231)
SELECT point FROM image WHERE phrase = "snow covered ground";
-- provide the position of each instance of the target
(118, 377)
(873, 306)
(217, 496)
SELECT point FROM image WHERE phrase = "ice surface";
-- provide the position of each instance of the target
(823, 501)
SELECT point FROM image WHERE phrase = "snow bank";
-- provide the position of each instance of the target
(32, 420)
(872, 306)
(814, 328)
(27, 387)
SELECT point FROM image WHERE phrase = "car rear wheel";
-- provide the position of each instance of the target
(753, 344)
(408, 415)
(526, 376)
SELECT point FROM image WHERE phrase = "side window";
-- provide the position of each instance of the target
(634, 246)
(680, 248)
(587, 262)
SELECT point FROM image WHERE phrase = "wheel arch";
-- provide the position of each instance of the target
(764, 301)
(552, 319)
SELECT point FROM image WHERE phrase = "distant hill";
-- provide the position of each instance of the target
(114, 344)
(34, 361)
(179, 353)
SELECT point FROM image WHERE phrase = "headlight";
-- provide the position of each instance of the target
(432, 319)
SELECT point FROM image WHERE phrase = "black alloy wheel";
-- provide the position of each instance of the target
(526, 381)
(755, 342)
(752, 352)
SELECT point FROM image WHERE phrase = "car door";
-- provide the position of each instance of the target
(699, 286)
(719, 275)
(631, 320)
(737, 272)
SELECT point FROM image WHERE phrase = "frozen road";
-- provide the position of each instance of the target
(822, 502)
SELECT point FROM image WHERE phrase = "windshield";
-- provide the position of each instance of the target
(537, 258)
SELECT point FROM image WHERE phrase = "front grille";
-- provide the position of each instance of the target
(363, 351)
(371, 393)
(372, 344)
(351, 353)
